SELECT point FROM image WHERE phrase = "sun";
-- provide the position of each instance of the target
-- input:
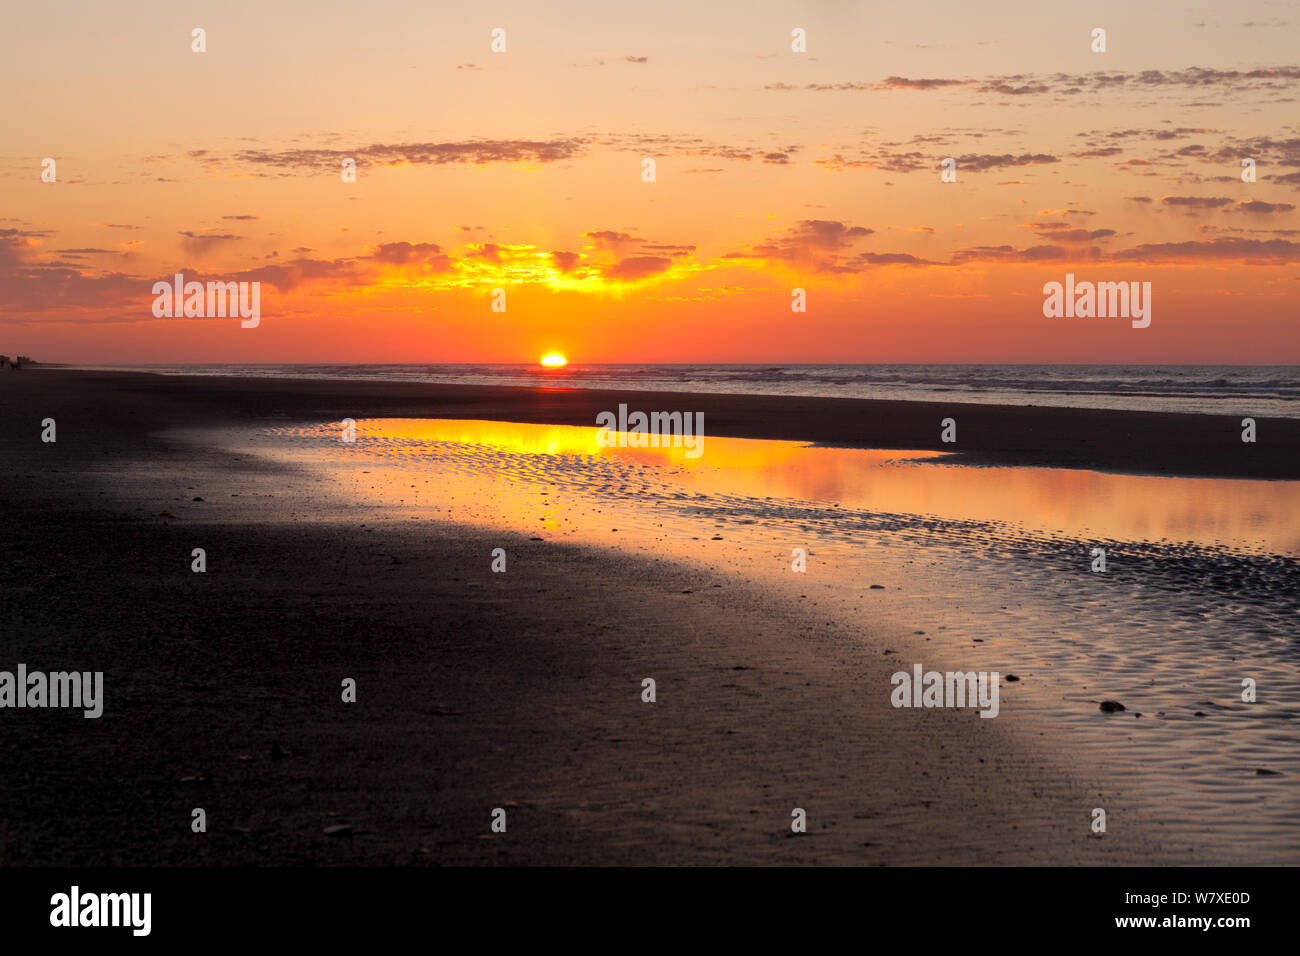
(554, 359)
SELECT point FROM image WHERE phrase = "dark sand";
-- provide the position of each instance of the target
(478, 690)
(1154, 443)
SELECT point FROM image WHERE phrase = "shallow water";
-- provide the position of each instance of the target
(984, 568)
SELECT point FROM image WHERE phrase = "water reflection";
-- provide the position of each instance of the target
(1257, 516)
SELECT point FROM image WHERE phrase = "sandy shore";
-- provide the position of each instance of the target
(476, 690)
(1104, 440)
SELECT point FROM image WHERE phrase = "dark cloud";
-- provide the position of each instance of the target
(1259, 250)
(1191, 78)
(888, 259)
(488, 251)
(608, 239)
(1062, 232)
(903, 83)
(477, 152)
(1259, 206)
(669, 249)
(1196, 202)
(894, 160)
(427, 254)
(566, 262)
(288, 276)
(637, 267)
(200, 243)
(839, 87)
(1012, 254)
(819, 245)
(1011, 89)
(977, 162)
(1066, 84)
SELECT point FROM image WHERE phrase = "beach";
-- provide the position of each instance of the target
(478, 690)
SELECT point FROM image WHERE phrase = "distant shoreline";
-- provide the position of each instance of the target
(1171, 444)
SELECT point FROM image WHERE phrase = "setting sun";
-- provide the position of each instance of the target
(554, 358)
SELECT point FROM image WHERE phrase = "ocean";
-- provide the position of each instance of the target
(1266, 391)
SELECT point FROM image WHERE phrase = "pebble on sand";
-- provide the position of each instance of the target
(1111, 706)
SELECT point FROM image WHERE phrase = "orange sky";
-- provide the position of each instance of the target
(522, 171)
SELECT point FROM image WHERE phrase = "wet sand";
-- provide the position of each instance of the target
(478, 690)
(980, 569)
(1154, 443)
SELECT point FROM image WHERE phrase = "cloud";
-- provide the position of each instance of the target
(1259, 250)
(837, 162)
(1065, 84)
(888, 259)
(838, 87)
(1195, 78)
(666, 248)
(489, 251)
(566, 262)
(427, 254)
(899, 161)
(290, 275)
(903, 83)
(58, 289)
(1259, 206)
(637, 267)
(818, 245)
(1196, 202)
(1010, 89)
(1012, 254)
(200, 243)
(977, 162)
(608, 239)
(473, 152)
(1063, 232)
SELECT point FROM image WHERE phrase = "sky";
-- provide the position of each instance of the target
(774, 170)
